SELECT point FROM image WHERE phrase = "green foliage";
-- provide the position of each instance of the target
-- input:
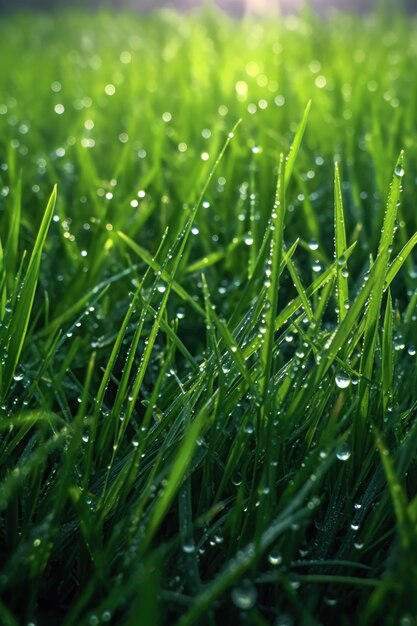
(208, 370)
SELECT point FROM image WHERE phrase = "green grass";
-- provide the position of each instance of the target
(208, 292)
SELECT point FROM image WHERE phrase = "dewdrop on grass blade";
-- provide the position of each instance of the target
(244, 595)
(342, 380)
(344, 452)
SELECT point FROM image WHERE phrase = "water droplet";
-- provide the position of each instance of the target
(275, 557)
(342, 380)
(237, 479)
(161, 287)
(249, 428)
(399, 171)
(313, 244)
(248, 240)
(244, 595)
(344, 452)
(188, 546)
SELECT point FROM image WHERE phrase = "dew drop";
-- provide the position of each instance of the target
(244, 595)
(342, 380)
(188, 546)
(344, 452)
(275, 557)
(249, 428)
(237, 480)
(399, 171)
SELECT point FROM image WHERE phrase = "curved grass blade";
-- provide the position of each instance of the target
(295, 147)
(377, 280)
(272, 283)
(342, 291)
(163, 273)
(23, 307)
(387, 355)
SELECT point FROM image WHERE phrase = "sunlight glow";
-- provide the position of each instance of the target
(271, 6)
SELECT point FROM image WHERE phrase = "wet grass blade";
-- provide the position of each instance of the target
(176, 476)
(163, 273)
(295, 147)
(23, 307)
(378, 279)
(340, 246)
(397, 493)
(387, 355)
(272, 279)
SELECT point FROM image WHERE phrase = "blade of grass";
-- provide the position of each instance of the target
(23, 307)
(378, 279)
(342, 290)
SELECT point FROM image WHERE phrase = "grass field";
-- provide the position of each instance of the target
(208, 305)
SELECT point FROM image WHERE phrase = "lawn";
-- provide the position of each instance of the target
(208, 320)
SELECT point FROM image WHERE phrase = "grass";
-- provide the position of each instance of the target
(208, 371)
